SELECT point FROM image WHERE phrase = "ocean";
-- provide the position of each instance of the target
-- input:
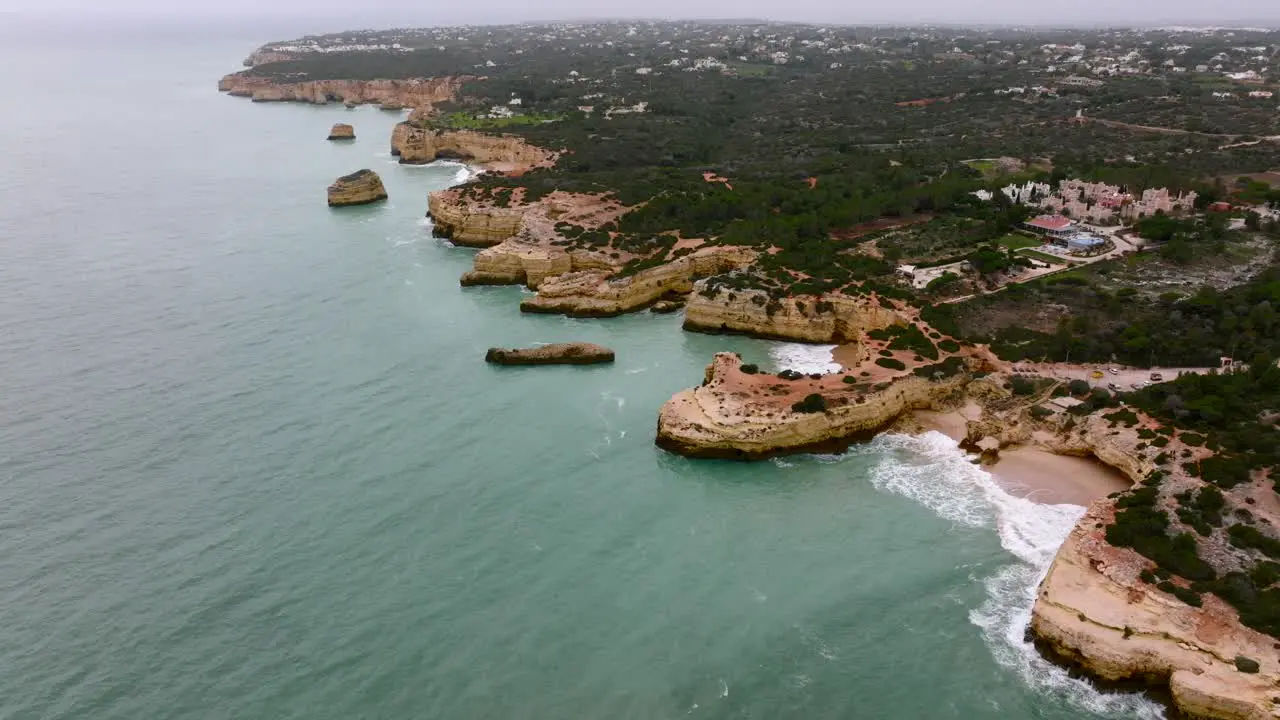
(252, 464)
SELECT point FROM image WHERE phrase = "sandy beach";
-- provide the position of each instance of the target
(1032, 473)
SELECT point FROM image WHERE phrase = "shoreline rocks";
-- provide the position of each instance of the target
(359, 188)
(553, 354)
(740, 414)
(342, 131)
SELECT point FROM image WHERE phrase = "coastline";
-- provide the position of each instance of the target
(1032, 472)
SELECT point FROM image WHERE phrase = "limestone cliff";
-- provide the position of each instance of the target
(828, 319)
(593, 293)
(472, 224)
(517, 262)
(414, 93)
(359, 188)
(742, 415)
(415, 144)
(262, 56)
(1093, 612)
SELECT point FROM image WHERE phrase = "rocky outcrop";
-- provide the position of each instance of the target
(746, 416)
(470, 224)
(664, 307)
(404, 93)
(517, 262)
(359, 188)
(417, 144)
(831, 318)
(554, 354)
(592, 293)
(1094, 613)
(342, 131)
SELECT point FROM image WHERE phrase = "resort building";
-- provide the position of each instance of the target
(1052, 226)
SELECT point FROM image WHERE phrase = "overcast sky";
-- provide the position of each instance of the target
(382, 13)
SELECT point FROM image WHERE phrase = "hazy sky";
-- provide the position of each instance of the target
(380, 13)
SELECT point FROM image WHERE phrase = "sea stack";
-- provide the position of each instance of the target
(342, 131)
(554, 354)
(359, 188)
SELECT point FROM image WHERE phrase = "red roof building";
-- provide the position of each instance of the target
(1050, 224)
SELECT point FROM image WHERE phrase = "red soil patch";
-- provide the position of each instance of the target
(878, 224)
(711, 177)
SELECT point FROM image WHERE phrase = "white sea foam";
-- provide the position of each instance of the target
(932, 470)
(804, 358)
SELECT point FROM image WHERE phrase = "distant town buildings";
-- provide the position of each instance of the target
(1099, 203)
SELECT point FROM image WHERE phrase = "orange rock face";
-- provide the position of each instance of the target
(401, 93)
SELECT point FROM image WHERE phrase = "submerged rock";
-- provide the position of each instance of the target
(342, 131)
(359, 188)
(554, 354)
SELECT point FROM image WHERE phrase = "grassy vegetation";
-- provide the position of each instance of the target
(1014, 241)
(1042, 257)
(469, 121)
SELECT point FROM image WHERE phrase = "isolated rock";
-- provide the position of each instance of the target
(342, 131)
(554, 354)
(666, 306)
(359, 188)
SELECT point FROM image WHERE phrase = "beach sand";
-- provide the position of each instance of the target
(1035, 474)
(1044, 477)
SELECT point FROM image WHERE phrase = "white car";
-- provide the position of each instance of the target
(1113, 371)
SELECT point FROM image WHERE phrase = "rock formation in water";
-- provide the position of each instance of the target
(359, 188)
(413, 93)
(342, 131)
(471, 224)
(554, 354)
(601, 293)
(742, 414)
(416, 142)
(830, 318)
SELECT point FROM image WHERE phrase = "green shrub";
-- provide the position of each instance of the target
(891, 363)
(1246, 536)
(813, 403)
(750, 368)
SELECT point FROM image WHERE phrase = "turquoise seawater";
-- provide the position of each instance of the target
(253, 466)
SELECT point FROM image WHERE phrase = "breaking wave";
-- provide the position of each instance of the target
(931, 470)
(804, 358)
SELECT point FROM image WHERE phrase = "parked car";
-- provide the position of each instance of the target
(1156, 377)
(1113, 371)
(1113, 387)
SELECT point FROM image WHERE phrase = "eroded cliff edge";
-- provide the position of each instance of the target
(1103, 609)
(416, 141)
(411, 93)
(746, 415)
(1116, 616)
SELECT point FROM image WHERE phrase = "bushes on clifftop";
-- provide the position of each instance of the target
(813, 403)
